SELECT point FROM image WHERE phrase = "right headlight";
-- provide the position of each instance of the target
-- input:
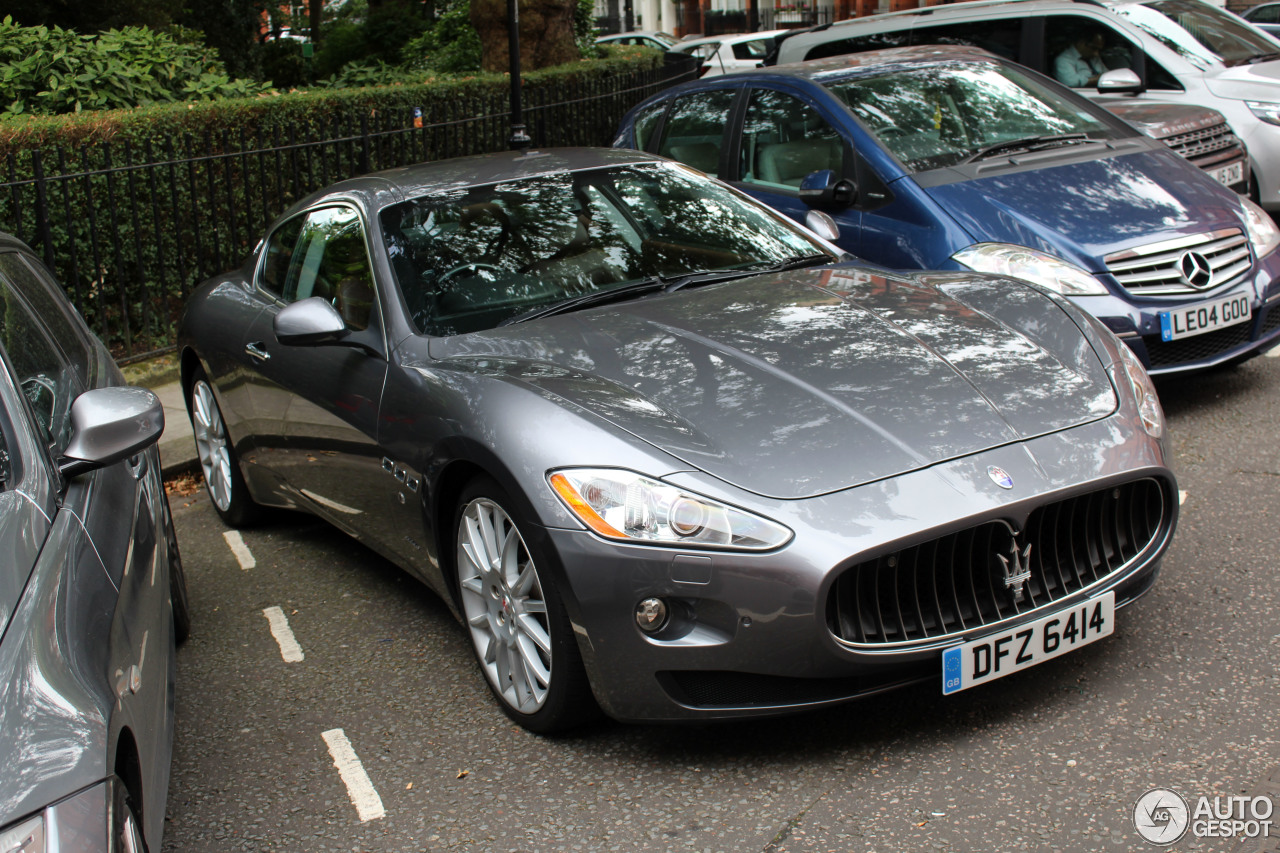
(1265, 111)
(1144, 392)
(630, 507)
(25, 837)
(1030, 265)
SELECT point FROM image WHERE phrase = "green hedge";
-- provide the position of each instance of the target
(204, 179)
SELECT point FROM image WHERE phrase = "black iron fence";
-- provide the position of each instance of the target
(130, 229)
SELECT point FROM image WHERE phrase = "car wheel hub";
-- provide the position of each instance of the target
(211, 444)
(504, 606)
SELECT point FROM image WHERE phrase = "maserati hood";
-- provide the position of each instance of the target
(811, 381)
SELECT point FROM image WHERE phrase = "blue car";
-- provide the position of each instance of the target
(952, 158)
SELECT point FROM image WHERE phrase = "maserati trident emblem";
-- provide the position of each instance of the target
(1016, 572)
(1195, 270)
(1000, 477)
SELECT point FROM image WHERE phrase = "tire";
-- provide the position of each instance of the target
(218, 461)
(518, 626)
(126, 829)
(177, 581)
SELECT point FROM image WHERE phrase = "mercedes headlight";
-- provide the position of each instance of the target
(25, 837)
(1265, 111)
(630, 507)
(1144, 392)
(1263, 232)
(1030, 265)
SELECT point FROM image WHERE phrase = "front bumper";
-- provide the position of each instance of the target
(1136, 321)
(750, 633)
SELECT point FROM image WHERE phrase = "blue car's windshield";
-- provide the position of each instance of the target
(467, 260)
(937, 116)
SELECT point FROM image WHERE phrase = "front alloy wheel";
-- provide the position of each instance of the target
(518, 627)
(504, 605)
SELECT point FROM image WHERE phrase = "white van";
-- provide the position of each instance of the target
(1179, 51)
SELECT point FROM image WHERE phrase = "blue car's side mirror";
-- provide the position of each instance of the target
(822, 190)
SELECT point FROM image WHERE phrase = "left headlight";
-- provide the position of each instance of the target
(1263, 232)
(25, 837)
(1030, 265)
(630, 507)
(1144, 392)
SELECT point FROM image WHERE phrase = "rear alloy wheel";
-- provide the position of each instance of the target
(217, 457)
(518, 627)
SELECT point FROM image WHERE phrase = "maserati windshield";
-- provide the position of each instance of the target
(469, 259)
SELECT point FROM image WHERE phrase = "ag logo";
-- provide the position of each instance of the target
(1161, 816)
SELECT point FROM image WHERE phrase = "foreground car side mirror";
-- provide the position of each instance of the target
(1120, 80)
(822, 190)
(308, 322)
(823, 225)
(110, 424)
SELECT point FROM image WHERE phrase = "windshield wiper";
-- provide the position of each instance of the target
(1262, 57)
(595, 297)
(710, 276)
(1030, 143)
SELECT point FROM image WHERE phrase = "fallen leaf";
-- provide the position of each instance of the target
(462, 773)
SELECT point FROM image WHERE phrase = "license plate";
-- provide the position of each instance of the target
(1228, 175)
(1198, 319)
(998, 655)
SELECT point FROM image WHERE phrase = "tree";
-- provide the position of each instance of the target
(546, 33)
(90, 16)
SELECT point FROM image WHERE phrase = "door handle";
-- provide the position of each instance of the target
(256, 351)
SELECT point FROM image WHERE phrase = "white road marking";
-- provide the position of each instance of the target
(289, 648)
(363, 796)
(1182, 496)
(1273, 353)
(243, 555)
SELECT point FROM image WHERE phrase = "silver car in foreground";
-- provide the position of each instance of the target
(664, 451)
(92, 597)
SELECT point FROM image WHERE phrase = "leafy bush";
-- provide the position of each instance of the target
(283, 65)
(452, 46)
(47, 71)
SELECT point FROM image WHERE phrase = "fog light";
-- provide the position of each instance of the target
(651, 615)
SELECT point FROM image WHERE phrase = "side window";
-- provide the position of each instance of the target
(41, 371)
(29, 278)
(784, 139)
(695, 129)
(646, 123)
(331, 261)
(1002, 37)
(1077, 50)
(1267, 15)
(857, 44)
(755, 49)
(279, 254)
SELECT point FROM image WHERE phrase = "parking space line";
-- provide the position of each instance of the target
(359, 788)
(1274, 352)
(243, 555)
(289, 648)
(1182, 496)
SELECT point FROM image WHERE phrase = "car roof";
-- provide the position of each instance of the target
(732, 38)
(381, 189)
(886, 59)
(969, 5)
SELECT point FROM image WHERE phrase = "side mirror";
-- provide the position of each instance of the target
(1120, 80)
(309, 322)
(822, 190)
(823, 225)
(110, 424)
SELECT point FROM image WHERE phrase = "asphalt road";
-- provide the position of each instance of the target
(1184, 695)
